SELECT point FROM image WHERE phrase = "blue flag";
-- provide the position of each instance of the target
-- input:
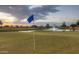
(30, 19)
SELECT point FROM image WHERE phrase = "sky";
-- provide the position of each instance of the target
(43, 14)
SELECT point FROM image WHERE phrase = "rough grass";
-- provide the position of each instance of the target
(46, 42)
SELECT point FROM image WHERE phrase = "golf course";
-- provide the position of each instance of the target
(45, 42)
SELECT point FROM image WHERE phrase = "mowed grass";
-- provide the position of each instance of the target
(46, 42)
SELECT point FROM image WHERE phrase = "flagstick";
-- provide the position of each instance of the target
(34, 47)
(29, 20)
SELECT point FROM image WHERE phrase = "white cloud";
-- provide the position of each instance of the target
(58, 19)
(6, 17)
(24, 20)
(34, 6)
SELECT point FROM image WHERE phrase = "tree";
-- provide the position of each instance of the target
(34, 26)
(16, 26)
(40, 27)
(73, 26)
(63, 25)
(1, 23)
(6, 26)
(48, 26)
(77, 23)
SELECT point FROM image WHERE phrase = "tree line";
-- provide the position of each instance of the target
(71, 27)
(63, 26)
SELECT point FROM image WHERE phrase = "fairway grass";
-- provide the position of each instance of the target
(45, 42)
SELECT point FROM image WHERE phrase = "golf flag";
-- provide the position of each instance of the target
(30, 19)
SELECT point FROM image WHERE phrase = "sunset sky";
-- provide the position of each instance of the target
(18, 14)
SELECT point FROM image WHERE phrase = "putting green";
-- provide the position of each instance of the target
(45, 42)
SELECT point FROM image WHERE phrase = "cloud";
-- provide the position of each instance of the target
(44, 10)
(52, 19)
(34, 6)
(23, 11)
(20, 13)
(6, 17)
